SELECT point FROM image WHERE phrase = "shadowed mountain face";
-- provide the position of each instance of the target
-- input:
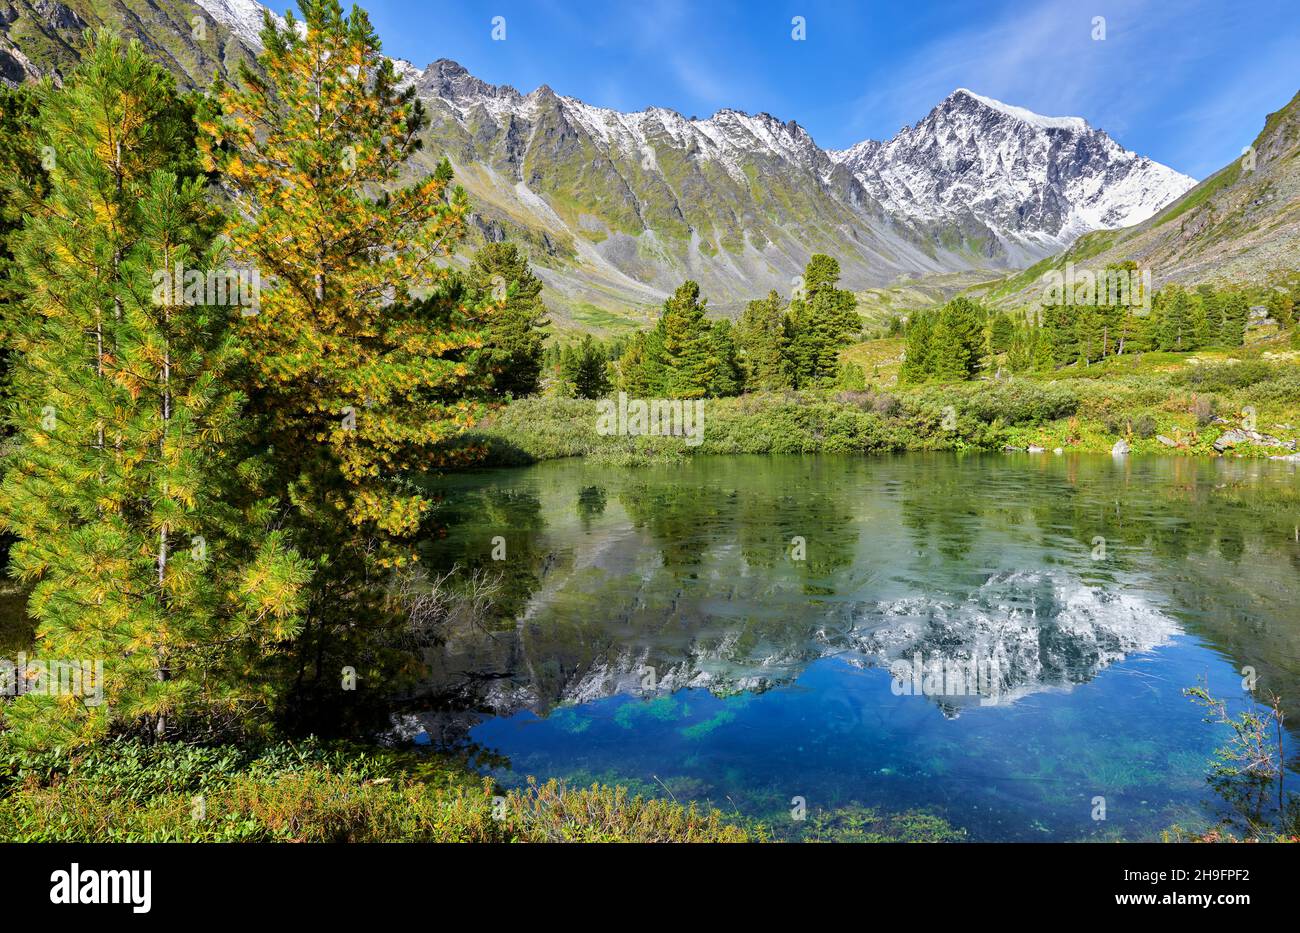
(616, 209)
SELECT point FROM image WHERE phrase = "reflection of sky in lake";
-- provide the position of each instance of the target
(772, 677)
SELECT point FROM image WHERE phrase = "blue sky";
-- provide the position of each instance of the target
(1186, 82)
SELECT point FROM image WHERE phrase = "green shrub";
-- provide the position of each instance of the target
(1145, 426)
(1223, 377)
(128, 791)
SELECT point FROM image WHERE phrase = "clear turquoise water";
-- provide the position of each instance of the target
(656, 630)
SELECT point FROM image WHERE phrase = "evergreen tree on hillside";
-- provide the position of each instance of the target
(690, 353)
(1002, 330)
(1059, 323)
(916, 366)
(358, 380)
(1090, 332)
(499, 277)
(948, 361)
(822, 272)
(1042, 354)
(727, 376)
(641, 371)
(584, 368)
(820, 324)
(1176, 319)
(118, 491)
(1281, 306)
(1207, 316)
(1135, 330)
(1019, 355)
(1236, 311)
(1112, 327)
(761, 344)
(957, 342)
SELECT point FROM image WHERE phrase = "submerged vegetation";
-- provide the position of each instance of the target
(1249, 774)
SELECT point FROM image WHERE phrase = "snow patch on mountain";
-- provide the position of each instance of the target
(242, 17)
(1076, 124)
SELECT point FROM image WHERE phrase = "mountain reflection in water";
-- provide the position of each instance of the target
(656, 623)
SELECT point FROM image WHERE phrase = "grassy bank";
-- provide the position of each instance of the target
(1189, 401)
(125, 791)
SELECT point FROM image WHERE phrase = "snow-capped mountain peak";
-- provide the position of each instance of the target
(1074, 124)
(634, 202)
(1033, 183)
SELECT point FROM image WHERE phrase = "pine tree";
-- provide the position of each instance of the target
(761, 344)
(1089, 329)
(1112, 307)
(640, 367)
(117, 493)
(358, 381)
(727, 376)
(1175, 319)
(1281, 307)
(1020, 354)
(584, 369)
(499, 274)
(916, 366)
(1041, 352)
(689, 349)
(356, 384)
(820, 324)
(1133, 328)
(1207, 316)
(1001, 332)
(1062, 334)
(948, 360)
(957, 341)
(1236, 311)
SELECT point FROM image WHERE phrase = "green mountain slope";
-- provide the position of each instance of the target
(43, 36)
